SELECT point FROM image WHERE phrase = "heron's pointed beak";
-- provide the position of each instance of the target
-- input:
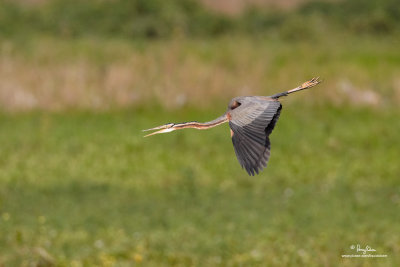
(162, 129)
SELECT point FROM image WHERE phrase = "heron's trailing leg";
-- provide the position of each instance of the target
(308, 84)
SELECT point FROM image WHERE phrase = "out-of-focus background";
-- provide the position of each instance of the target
(80, 186)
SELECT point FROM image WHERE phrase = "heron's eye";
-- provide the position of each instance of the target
(235, 104)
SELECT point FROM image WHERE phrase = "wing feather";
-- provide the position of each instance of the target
(251, 125)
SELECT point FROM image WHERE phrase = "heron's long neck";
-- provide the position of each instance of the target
(202, 125)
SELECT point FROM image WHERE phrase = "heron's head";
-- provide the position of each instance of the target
(162, 129)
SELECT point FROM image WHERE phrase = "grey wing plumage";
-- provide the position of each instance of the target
(251, 126)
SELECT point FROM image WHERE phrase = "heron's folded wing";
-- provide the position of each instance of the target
(251, 125)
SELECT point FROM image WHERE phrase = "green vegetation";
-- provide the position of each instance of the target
(80, 186)
(150, 19)
(87, 189)
(103, 74)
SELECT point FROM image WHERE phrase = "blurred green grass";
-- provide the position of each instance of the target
(157, 19)
(85, 188)
(80, 186)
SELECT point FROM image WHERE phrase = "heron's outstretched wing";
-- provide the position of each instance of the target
(251, 125)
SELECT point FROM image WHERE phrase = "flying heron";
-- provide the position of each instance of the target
(251, 119)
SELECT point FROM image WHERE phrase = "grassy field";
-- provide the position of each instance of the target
(80, 186)
(85, 188)
(102, 74)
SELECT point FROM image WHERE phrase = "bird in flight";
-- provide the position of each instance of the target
(251, 121)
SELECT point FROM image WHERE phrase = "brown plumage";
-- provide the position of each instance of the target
(251, 120)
